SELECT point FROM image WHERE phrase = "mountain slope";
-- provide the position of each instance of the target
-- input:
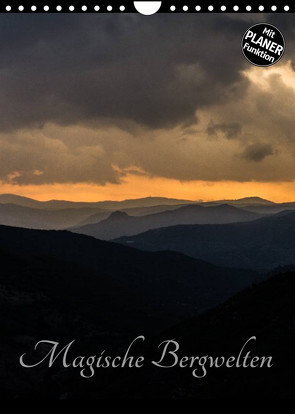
(152, 275)
(62, 286)
(260, 244)
(20, 216)
(265, 311)
(131, 211)
(37, 301)
(121, 224)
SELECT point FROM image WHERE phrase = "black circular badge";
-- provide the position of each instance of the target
(263, 44)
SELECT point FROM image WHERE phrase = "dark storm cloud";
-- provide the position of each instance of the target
(89, 98)
(85, 68)
(257, 152)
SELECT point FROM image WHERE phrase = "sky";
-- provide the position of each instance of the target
(120, 106)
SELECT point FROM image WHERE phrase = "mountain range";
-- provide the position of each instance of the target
(265, 243)
(189, 282)
(172, 279)
(108, 205)
(121, 224)
(255, 204)
(63, 286)
(58, 214)
(245, 201)
(59, 285)
(29, 213)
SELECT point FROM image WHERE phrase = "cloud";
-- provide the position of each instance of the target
(80, 69)
(230, 130)
(91, 98)
(47, 157)
(259, 122)
(257, 152)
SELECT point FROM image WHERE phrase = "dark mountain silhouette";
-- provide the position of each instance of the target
(129, 268)
(42, 297)
(20, 216)
(260, 244)
(121, 224)
(61, 286)
(265, 311)
(109, 205)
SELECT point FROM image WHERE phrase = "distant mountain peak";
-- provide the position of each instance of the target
(8, 196)
(256, 200)
(117, 215)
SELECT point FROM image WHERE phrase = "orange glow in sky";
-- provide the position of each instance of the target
(135, 186)
(222, 156)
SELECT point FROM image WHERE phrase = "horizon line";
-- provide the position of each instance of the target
(142, 198)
